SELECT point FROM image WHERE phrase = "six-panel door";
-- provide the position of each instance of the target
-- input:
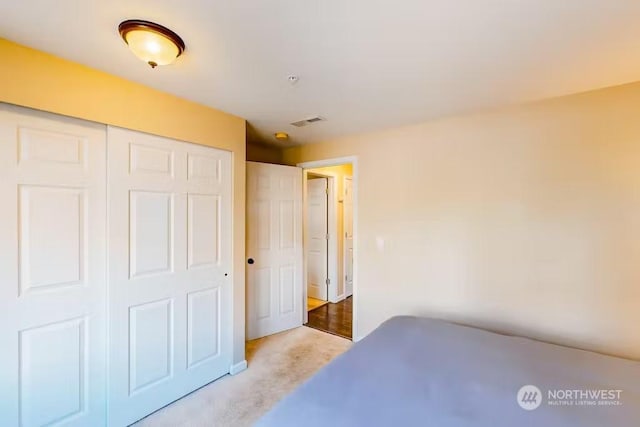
(274, 248)
(52, 270)
(169, 270)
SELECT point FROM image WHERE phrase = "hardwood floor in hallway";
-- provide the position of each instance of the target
(313, 303)
(335, 319)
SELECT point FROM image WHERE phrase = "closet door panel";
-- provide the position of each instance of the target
(169, 270)
(52, 269)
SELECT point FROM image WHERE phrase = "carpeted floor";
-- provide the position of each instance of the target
(277, 364)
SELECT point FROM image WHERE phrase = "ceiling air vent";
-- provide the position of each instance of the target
(309, 121)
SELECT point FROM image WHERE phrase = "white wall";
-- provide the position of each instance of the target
(525, 220)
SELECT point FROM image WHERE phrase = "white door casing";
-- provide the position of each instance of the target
(348, 236)
(169, 270)
(52, 269)
(274, 248)
(317, 233)
(353, 160)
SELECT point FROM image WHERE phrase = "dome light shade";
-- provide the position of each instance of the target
(151, 42)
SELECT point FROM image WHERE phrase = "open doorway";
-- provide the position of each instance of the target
(328, 246)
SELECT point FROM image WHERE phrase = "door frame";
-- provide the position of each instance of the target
(343, 236)
(333, 202)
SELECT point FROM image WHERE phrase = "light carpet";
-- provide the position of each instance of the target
(277, 365)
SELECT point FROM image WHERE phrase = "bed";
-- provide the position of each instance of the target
(415, 371)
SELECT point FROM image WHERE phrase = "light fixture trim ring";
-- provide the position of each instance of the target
(139, 24)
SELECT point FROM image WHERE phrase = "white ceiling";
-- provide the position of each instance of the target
(363, 64)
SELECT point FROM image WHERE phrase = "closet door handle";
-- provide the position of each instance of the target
(250, 261)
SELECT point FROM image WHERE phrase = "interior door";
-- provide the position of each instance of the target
(169, 271)
(52, 270)
(274, 248)
(348, 235)
(317, 245)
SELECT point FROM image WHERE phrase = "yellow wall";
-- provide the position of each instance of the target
(338, 173)
(34, 79)
(524, 219)
(264, 154)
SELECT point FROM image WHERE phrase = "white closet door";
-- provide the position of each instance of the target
(52, 270)
(274, 248)
(169, 271)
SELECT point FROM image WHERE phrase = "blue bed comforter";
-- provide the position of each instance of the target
(423, 372)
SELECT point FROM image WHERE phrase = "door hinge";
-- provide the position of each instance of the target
(328, 282)
(326, 191)
(326, 237)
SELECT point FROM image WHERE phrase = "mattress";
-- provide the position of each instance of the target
(415, 371)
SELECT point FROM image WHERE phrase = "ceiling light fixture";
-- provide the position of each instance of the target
(151, 42)
(281, 136)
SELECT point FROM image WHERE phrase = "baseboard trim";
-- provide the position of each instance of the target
(338, 299)
(238, 367)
